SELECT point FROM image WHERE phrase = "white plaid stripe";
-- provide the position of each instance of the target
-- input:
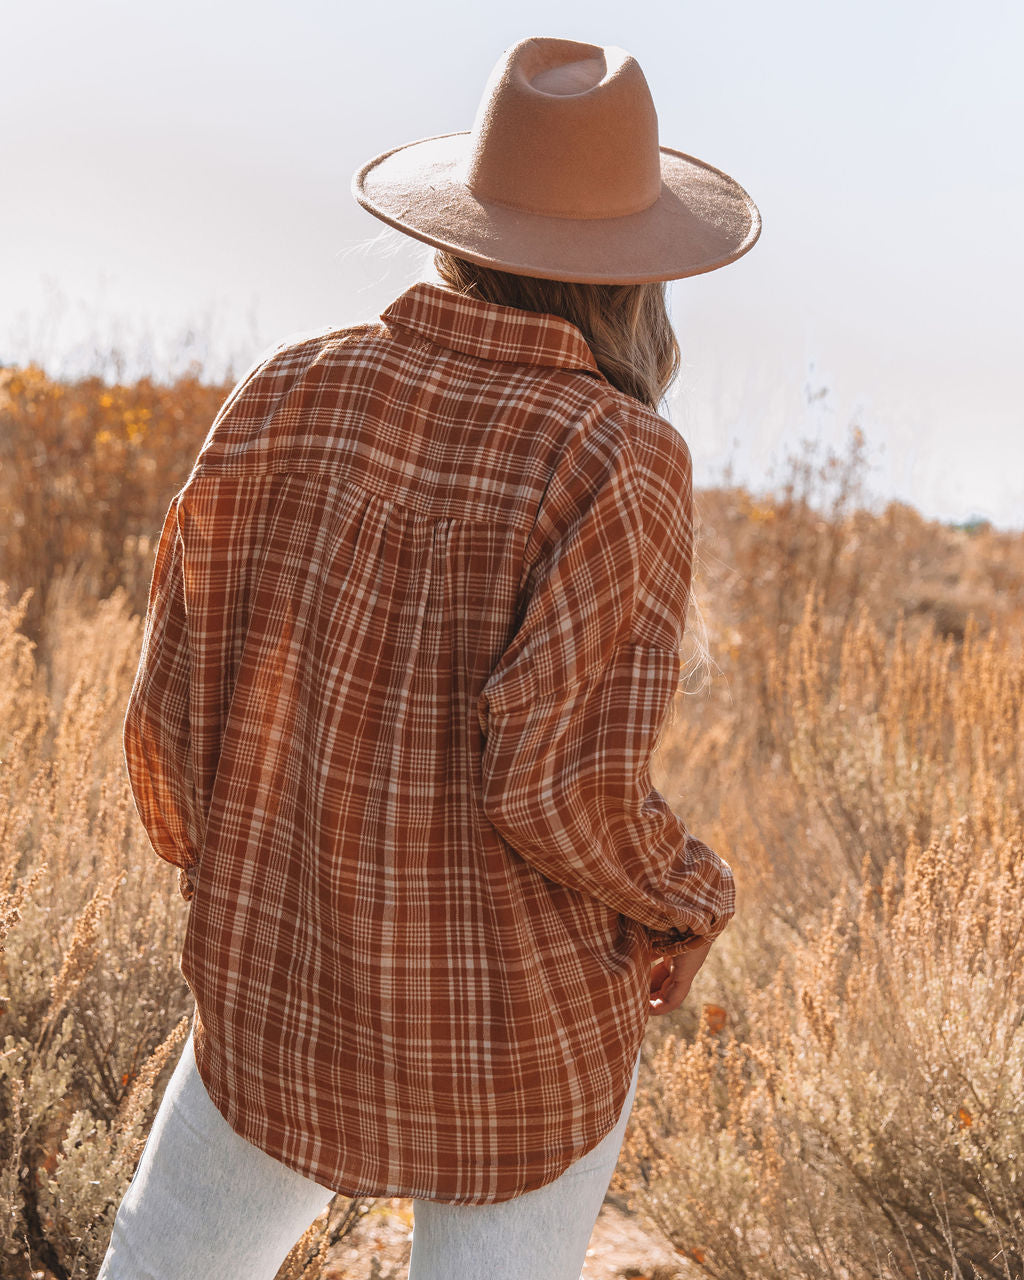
(413, 633)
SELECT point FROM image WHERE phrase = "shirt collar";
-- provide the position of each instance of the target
(489, 331)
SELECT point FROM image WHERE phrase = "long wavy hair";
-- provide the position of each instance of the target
(626, 325)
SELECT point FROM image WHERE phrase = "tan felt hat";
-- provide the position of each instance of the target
(562, 177)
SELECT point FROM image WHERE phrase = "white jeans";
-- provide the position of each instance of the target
(205, 1202)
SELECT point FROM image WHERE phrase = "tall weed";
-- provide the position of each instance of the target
(93, 1006)
(857, 1114)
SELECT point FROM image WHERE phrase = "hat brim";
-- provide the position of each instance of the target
(702, 220)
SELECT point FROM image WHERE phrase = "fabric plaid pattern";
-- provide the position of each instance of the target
(412, 637)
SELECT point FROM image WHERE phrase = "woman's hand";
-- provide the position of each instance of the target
(671, 978)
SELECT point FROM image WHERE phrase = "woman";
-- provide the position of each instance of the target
(413, 635)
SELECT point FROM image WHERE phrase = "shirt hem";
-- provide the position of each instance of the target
(402, 1189)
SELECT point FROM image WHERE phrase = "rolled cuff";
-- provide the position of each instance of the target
(673, 942)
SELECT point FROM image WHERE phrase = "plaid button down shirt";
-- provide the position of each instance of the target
(412, 637)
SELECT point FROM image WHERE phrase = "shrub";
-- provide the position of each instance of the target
(858, 1113)
(93, 1005)
(87, 471)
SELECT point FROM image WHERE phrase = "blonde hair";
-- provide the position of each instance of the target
(626, 326)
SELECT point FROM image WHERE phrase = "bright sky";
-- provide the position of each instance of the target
(186, 167)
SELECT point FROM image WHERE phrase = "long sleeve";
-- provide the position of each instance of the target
(577, 703)
(157, 739)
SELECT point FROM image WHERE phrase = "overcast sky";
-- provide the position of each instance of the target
(168, 169)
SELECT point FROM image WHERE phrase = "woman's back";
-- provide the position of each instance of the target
(413, 636)
(423, 598)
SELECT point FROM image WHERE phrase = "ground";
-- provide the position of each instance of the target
(378, 1248)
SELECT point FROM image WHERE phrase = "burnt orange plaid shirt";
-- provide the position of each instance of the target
(412, 637)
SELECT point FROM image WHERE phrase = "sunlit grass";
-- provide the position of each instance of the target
(839, 1097)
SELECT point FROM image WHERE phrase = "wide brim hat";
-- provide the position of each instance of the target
(563, 177)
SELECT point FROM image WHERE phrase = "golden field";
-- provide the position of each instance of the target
(842, 1095)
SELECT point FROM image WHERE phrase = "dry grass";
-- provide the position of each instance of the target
(840, 1097)
(93, 1005)
(852, 1108)
(86, 473)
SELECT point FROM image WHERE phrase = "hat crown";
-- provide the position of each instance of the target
(566, 130)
